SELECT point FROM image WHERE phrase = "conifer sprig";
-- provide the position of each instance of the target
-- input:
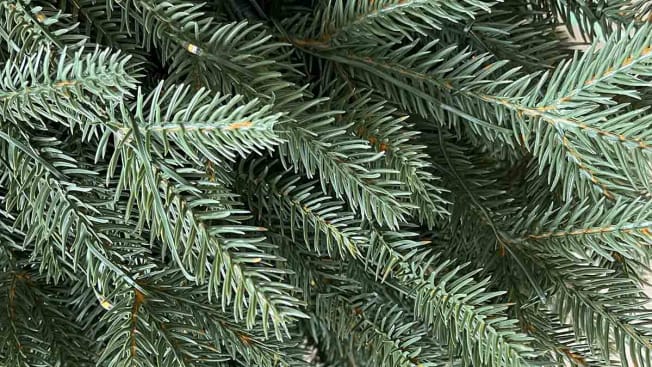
(324, 183)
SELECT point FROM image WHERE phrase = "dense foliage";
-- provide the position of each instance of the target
(325, 183)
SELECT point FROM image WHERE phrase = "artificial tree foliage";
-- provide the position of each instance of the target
(325, 183)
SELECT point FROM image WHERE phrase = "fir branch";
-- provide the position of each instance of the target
(139, 329)
(509, 32)
(382, 332)
(389, 134)
(203, 125)
(28, 28)
(561, 339)
(232, 272)
(405, 71)
(103, 24)
(592, 20)
(624, 227)
(361, 321)
(63, 88)
(208, 60)
(36, 325)
(186, 311)
(385, 19)
(54, 210)
(282, 196)
(603, 306)
(371, 192)
(362, 236)
(346, 177)
(415, 284)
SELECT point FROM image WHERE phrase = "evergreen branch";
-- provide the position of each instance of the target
(603, 76)
(525, 169)
(63, 89)
(237, 56)
(433, 296)
(642, 227)
(98, 20)
(66, 213)
(28, 28)
(49, 259)
(423, 80)
(239, 342)
(387, 254)
(509, 33)
(183, 212)
(185, 310)
(328, 162)
(625, 212)
(559, 143)
(282, 196)
(203, 125)
(139, 329)
(54, 209)
(604, 308)
(620, 64)
(578, 89)
(346, 178)
(342, 160)
(164, 20)
(380, 330)
(232, 273)
(390, 253)
(593, 20)
(475, 189)
(561, 339)
(315, 214)
(11, 345)
(499, 344)
(386, 19)
(430, 80)
(445, 297)
(623, 227)
(312, 272)
(217, 54)
(38, 328)
(362, 321)
(347, 352)
(389, 134)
